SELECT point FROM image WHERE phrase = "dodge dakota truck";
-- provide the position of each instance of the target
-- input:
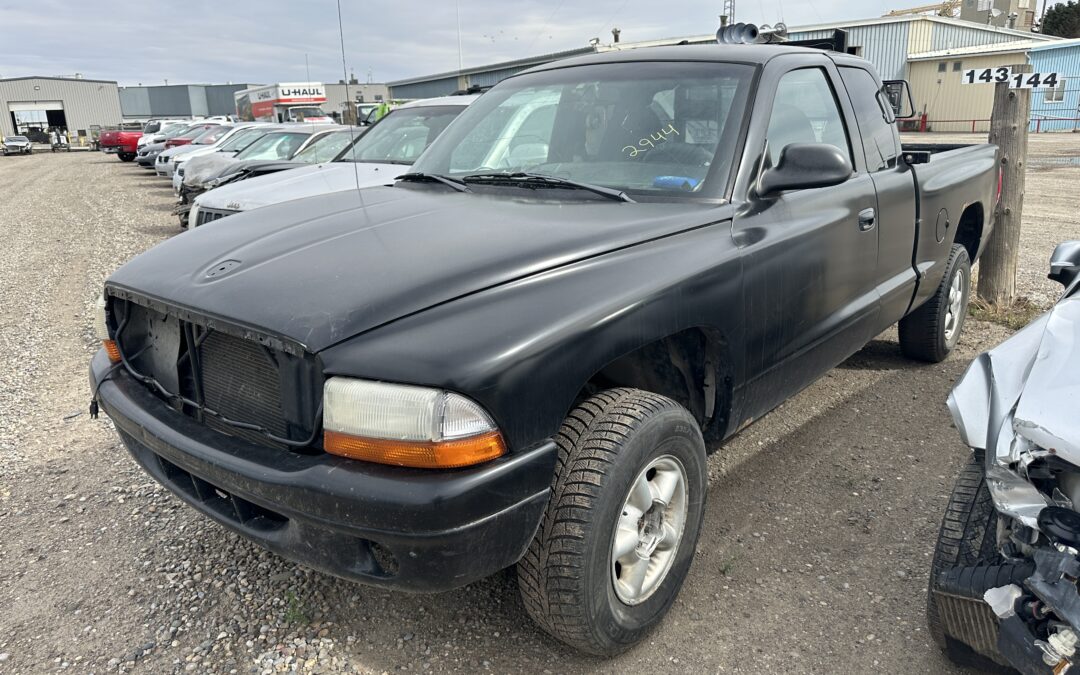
(520, 352)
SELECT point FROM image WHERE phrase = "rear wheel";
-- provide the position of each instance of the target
(126, 156)
(932, 331)
(620, 530)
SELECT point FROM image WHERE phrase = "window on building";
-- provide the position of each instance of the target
(942, 67)
(805, 111)
(957, 66)
(1057, 94)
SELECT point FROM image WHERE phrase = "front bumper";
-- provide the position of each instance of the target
(409, 529)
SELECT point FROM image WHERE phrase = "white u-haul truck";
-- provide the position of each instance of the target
(283, 102)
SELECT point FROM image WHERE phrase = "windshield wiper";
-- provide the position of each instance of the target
(458, 185)
(524, 178)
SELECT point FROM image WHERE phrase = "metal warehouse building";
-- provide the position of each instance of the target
(179, 100)
(949, 105)
(31, 105)
(887, 42)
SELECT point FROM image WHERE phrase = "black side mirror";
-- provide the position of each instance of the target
(805, 165)
(1065, 263)
(899, 94)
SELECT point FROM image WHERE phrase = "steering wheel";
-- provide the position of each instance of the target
(679, 153)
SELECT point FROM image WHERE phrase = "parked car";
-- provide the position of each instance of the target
(147, 155)
(16, 145)
(120, 142)
(386, 150)
(1003, 579)
(193, 132)
(155, 131)
(515, 354)
(198, 139)
(204, 172)
(235, 139)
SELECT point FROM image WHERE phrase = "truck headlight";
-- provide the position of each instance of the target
(406, 425)
(101, 331)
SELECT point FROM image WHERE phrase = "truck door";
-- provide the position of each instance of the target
(895, 187)
(811, 254)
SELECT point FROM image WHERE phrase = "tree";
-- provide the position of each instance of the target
(1062, 20)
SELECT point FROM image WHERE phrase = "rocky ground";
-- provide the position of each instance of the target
(814, 557)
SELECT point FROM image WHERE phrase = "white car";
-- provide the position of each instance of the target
(16, 145)
(212, 140)
(386, 150)
(288, 139)
(154, 131)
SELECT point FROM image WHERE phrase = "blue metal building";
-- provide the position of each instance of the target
(1056, 109)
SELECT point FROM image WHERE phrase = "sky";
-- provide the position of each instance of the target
(153, 41)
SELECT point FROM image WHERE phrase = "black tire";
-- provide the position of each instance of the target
(125, 156)
(968, 536)
(922, 333)
(566, 576)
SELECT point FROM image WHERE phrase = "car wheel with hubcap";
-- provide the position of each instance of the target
(931, 332)
(619, 532)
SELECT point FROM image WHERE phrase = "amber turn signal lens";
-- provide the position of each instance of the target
(112, 350)
(417, 454)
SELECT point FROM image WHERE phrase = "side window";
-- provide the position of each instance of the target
(805, 111)
(879, 135)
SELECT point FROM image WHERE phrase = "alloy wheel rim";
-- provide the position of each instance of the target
(649, 530)
(954, 312)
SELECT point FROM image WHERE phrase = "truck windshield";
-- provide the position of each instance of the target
(650, 128)
(280, 145)
(326, 147)
(402, 135)
(301, 114)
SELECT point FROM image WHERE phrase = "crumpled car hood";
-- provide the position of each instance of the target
(307, 181)
(1026, 386)
(197, 169)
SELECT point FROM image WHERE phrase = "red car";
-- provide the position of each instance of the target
(188, 136)
(123, 144)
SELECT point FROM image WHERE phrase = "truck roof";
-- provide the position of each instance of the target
(750, 54)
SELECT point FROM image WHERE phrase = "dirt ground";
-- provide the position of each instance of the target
(814, 558)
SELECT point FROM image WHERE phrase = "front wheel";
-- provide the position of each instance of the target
(931, 332)
(619, 532)
(126, 156)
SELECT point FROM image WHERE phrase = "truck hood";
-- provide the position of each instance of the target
(318, 271)
(308, 181)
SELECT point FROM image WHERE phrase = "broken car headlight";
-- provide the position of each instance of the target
(406, 425)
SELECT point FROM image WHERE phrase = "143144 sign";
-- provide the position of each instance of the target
(1015, 80)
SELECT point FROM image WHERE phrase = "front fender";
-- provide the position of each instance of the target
(525, 349)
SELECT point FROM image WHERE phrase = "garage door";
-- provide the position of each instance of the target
(24, 106)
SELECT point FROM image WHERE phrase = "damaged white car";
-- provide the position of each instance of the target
(1003, 586)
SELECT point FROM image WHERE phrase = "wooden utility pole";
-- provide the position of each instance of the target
(1009, 131)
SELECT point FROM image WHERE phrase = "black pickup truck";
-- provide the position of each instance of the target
(521, 351)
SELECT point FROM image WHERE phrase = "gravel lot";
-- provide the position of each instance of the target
(814, 556)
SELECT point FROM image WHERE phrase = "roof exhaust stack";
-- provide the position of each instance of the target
(748, 33)
(615, 34)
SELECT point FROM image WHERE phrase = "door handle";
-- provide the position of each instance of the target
(867, 219)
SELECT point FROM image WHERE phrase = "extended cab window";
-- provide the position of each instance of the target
(881, 142)
(664, 128)
(805, 111)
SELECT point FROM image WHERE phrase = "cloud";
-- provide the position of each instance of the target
(243, 41)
